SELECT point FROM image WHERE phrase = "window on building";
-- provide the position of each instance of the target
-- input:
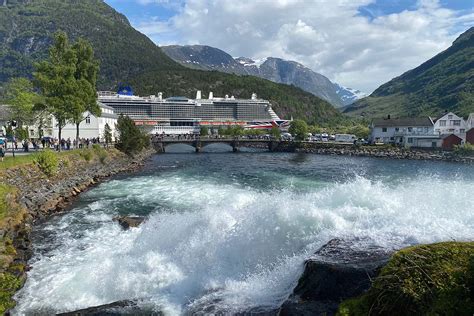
(433, 144)
(410, 129)
(410, 140)
(397, 129)
(450, 117)
(384, 129)
(442, 123)
(457, 123)
(88, 120)
(462, 130)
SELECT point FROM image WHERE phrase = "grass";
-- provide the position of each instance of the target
(20, 160)
(435, 279)
(5, 193)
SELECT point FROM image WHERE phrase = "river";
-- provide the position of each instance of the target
(233, 230)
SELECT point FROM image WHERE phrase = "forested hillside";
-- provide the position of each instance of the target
(129, 57)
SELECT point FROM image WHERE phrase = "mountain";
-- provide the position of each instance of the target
(348, 95)
(129, 57)
(274, 69)
(443, 83)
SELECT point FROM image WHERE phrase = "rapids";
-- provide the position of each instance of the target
(233, 230)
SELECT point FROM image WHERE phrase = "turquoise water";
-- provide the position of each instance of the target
(233, 230)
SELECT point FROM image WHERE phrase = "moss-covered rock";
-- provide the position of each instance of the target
(436, 279)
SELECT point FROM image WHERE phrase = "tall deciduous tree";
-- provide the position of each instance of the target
(86, 75)
(56, 80)
(19, 94)
(299, 129)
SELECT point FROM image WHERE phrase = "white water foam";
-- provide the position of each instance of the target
(228, 245)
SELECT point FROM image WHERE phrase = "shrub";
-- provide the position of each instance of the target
(131, 139)
(86, 154)
(436, 279)
(464, 150)
(47, 161)
(100, 152)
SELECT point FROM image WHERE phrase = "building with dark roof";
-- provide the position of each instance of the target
(406, 131)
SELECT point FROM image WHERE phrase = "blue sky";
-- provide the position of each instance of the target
(357, 43)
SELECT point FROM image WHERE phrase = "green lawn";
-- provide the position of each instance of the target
(19, 160)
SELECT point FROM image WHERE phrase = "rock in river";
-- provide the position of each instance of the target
(129, 221)
(339, 270)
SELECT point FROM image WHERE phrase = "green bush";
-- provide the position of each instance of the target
(464, 150)
(86, 154)
(100, 152)
(131, 139)
(436, 279)
(47, 161)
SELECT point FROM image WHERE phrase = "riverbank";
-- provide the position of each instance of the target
(28, 194)
(383, 151)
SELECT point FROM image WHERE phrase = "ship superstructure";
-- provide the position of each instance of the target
(180, 115)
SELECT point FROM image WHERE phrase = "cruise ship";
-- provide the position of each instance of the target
(180, 115)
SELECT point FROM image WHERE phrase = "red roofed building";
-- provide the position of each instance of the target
(450, 141)
(470, 136)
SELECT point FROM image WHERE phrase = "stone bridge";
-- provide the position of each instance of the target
(200, 143)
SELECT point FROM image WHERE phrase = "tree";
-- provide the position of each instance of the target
(107, 134)
(275, 132)
(299, 129)
(55, 79)
(204, 131)
(130, 138)
(86, 76)
(20, 96)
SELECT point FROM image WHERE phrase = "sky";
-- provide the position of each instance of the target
(357, 43)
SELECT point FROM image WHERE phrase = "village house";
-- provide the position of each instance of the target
(407, 132)
(90, 127)
(451, 123)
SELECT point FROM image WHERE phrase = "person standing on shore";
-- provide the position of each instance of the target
(2, 149)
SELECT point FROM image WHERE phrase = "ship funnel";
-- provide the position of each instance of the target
(254, 96)
(160, 96)
(211, 95)
(198, 95)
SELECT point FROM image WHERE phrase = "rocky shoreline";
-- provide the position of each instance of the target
(388, 152)
(38, 196)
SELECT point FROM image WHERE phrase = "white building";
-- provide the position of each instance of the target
(90, 127)
(451, 123)
(407, 132)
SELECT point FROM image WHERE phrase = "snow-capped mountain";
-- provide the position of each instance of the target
(270, 68)
(349, 95)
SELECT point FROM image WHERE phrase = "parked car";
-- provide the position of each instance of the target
(286, 136)
(345, 138)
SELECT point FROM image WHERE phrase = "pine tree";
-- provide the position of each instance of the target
(107, 134)
(131, 139)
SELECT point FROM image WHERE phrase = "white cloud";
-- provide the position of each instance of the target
(328, 36)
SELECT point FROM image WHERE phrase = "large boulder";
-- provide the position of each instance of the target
(115, 308)
(339, 270)
(129, 221)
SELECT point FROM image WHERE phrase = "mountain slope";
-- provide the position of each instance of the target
(127, 56)
(445, 82)
(274, 69)
(26, 33)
